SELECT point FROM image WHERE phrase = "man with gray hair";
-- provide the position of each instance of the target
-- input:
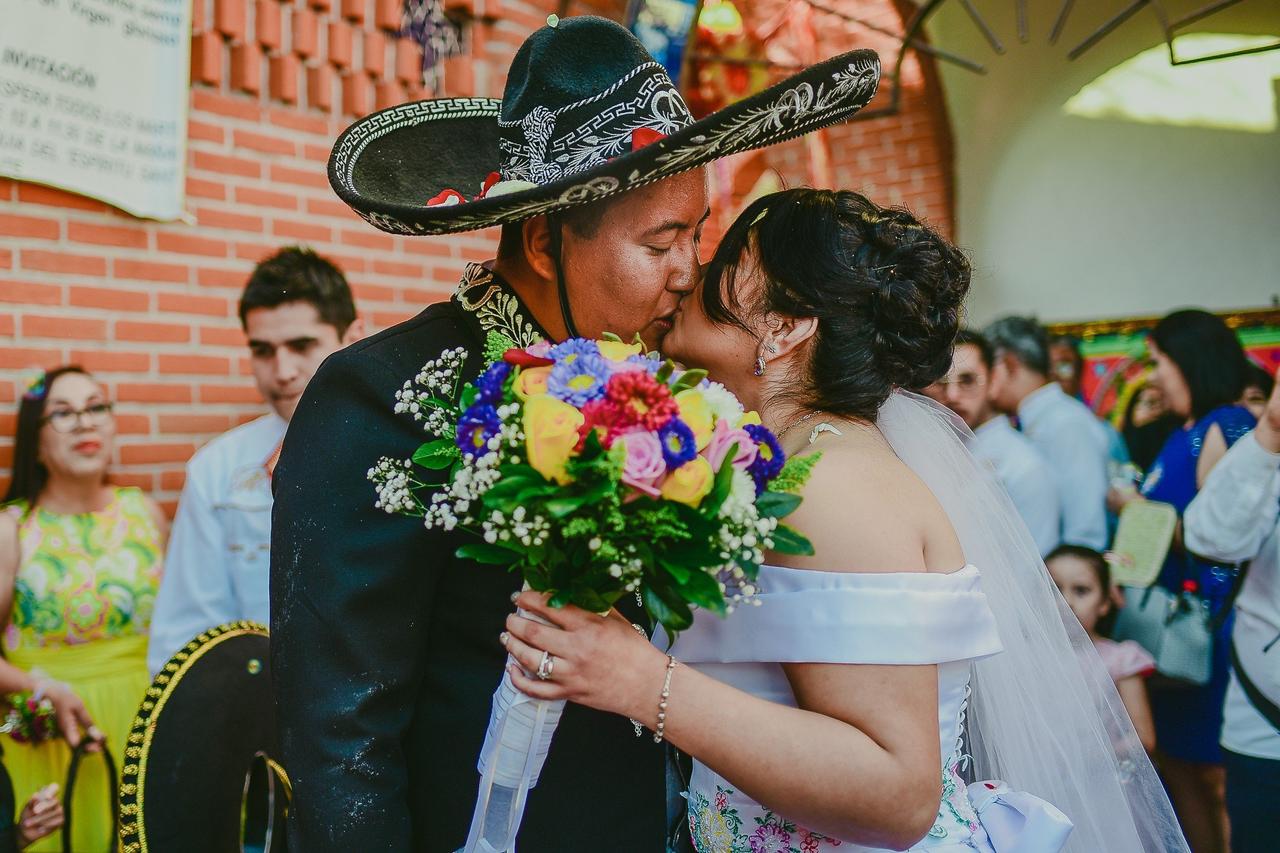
(1062, 428)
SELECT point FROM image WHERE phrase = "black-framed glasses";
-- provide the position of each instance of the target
(66, 420)
(965, 382)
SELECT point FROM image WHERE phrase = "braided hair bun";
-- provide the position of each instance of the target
(886, 290)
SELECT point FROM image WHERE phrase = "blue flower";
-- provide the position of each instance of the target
(489, 385)
(678, 444)
(568, 351)
(579, 380)
(477, 425)
(769, 456)
(649, 364)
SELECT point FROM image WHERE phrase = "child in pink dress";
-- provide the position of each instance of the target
(1082, 576)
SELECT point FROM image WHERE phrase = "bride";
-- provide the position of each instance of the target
(923, 645)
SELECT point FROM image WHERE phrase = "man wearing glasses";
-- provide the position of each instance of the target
(1019, 466)
(296, 310)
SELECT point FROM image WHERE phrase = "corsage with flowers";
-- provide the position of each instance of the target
(31, 718)
(595, 471)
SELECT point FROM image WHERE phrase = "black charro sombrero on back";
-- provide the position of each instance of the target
(586, 114)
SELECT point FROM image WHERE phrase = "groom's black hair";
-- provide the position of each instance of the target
(885, 289)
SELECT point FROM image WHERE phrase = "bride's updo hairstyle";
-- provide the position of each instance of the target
(886, 292)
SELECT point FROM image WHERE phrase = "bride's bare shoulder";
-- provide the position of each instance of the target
(866, 511)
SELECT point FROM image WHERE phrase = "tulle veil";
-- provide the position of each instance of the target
(1044, 715)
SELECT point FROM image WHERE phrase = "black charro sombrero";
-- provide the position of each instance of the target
(586, 114)
(198, 771)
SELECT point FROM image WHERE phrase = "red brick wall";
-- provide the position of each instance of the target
(150, 307)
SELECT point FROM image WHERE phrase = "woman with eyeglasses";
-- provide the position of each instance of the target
(80, 563)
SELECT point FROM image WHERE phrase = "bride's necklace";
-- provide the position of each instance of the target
(818, 429)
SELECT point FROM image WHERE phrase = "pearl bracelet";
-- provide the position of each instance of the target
(660, 732)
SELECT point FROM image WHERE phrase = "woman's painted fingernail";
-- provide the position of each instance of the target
(514, 596)
(504, 638)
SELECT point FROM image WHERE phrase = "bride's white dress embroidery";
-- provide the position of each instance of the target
(837, 617)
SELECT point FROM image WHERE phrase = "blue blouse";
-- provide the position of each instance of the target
(1172, 480)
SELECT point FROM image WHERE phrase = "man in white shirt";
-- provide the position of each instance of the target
(1019, 466)
(1234, 518)
(1064, 430)
(296, 309)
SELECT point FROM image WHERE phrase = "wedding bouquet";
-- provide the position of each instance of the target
(30, 719)
(596, 472)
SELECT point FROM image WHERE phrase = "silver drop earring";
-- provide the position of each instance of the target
(760, 365)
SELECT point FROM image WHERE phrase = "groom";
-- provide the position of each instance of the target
(385, 647)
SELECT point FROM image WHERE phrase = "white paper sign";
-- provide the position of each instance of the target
(93, 99)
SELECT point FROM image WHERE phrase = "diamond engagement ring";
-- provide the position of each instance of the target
(545, 667)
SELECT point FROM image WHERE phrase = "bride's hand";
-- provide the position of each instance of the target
(598, 661)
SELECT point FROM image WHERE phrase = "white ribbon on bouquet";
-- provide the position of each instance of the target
(515, 748)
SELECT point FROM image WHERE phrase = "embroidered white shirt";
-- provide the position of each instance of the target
(1026, 476)
(217, 569)
(1068, 436)
(1236, 517)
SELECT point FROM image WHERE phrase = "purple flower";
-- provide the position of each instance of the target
(678, 443)
(477, 425)
(580, 379)
(769, 456)
(489, 385)
(650, 365)
(570, 350)
(770, 838)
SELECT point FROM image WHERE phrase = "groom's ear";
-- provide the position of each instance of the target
(535, 245)
(787, 333)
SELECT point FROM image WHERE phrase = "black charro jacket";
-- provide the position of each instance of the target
(384, 645)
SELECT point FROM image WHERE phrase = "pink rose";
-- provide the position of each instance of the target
(644, 465)
(725, 435)
(542, 349)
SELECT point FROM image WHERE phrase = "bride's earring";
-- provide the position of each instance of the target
(760, 365)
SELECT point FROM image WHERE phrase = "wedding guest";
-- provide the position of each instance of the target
(1062, 428)
(1147, 424)
(1020, 467)
(296, 309)
(80, 562)
(1236, 518)
(1084, 579)
(1066, 364)
(1257, 389)
(1200, 369)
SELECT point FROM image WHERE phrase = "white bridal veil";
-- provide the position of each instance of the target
(1044, 715)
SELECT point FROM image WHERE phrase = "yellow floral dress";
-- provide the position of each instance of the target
(82, 605)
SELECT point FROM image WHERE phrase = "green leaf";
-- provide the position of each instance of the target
(777, 504)
(467, 397)
(704, 590)
(679, 573)
(483, 552)
(436, 455)
(664, 372)
(610, 336)
(788, 540)
(724, 482)
(688, 379)
(672, 618)
(561, 506)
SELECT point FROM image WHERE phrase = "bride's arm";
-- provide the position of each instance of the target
(859, 760)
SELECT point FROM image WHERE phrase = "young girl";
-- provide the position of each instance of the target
(1082, 576)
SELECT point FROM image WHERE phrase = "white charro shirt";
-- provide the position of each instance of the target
(1236, 517)
(1026, 476)
(1067, 434)
(217, 568)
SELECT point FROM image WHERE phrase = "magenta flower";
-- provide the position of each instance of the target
(770, 838)
(644, 465)
(723, 438)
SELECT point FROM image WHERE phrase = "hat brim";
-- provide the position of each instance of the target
(388, 164)
(205, 723)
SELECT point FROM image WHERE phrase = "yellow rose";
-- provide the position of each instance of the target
(689, 483)
(695, 412)
(749, 418)
(531, 382)
(617, 350)
(551, 433)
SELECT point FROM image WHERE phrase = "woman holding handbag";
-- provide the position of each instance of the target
(1200, 368)
(1236, 516)
(80, 563)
